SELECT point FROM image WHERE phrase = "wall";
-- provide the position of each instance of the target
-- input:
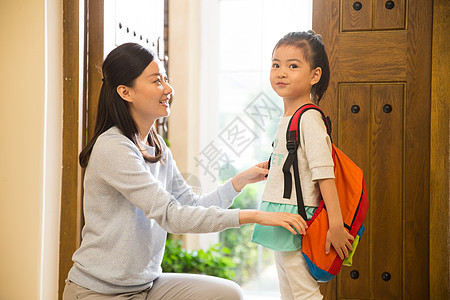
(184, 60)
(184, 72)
(30, 156)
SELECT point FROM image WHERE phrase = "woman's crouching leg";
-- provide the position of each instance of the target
(195, 287)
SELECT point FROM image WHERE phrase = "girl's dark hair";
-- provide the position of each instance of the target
(121, 67)
(314, 53)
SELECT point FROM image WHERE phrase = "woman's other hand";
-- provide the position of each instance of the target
(283, 219)
(254, 174)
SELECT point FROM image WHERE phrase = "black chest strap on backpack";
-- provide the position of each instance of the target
(270, 161)
(292, 144)
(292, 160)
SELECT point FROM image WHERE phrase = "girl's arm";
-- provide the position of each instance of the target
(337, 235)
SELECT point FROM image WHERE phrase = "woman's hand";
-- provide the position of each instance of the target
(286, 220)
(340, 239)
(254, 174)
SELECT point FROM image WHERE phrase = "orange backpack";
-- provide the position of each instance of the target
(353, 200)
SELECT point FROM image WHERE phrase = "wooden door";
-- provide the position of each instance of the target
(138, 21)
(379, 103)
(120, 21)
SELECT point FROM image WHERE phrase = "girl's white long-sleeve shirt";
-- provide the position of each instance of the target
(315, 161)
(129, 206)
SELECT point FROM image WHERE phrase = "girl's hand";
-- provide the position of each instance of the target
(254, 174)
(286, 220)
(341, 241)
(336, 235)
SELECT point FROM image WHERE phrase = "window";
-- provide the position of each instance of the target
(240, 111)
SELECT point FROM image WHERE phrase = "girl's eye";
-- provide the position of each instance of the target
(157, 81)
(293, 66)
(276, 66)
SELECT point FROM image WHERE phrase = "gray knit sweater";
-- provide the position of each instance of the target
(129, 206)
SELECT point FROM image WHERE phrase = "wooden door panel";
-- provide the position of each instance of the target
(372, 136)
(386, 187)
(354, 140)
(389, 14)
(354, 125)
(372, 57)
(372, 15)
(356, 16)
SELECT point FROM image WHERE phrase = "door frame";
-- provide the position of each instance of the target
(76, 120)
(71, 173)
(439, 156)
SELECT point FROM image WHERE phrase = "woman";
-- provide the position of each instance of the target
(134, 194)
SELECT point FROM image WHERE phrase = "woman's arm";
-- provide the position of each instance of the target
(286, 220)
(224, 194)
(117, 166)
(254, 174)
(337, 235)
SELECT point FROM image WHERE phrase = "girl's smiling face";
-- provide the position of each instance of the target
(149, 96)
(291, 75)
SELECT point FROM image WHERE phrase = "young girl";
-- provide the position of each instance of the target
(300, 75)
(134, 194)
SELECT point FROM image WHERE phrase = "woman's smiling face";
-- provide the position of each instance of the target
(150, 94)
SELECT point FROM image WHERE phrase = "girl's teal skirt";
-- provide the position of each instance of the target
(276, 237)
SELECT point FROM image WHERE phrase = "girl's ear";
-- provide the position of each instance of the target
(125, 93)
(316, 75)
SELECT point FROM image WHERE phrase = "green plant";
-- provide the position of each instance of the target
(167, 142)
(234, 258)
(215, 261)
(243, 252)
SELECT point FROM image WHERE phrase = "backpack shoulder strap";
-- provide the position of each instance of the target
(292, 143)
(294, 123)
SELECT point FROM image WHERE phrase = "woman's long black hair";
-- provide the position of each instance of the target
(121, 67)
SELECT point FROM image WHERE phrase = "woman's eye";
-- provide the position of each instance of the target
(157, 81)
(293, 66)
(275, 66)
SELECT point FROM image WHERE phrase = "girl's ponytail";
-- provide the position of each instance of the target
(319, 59)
